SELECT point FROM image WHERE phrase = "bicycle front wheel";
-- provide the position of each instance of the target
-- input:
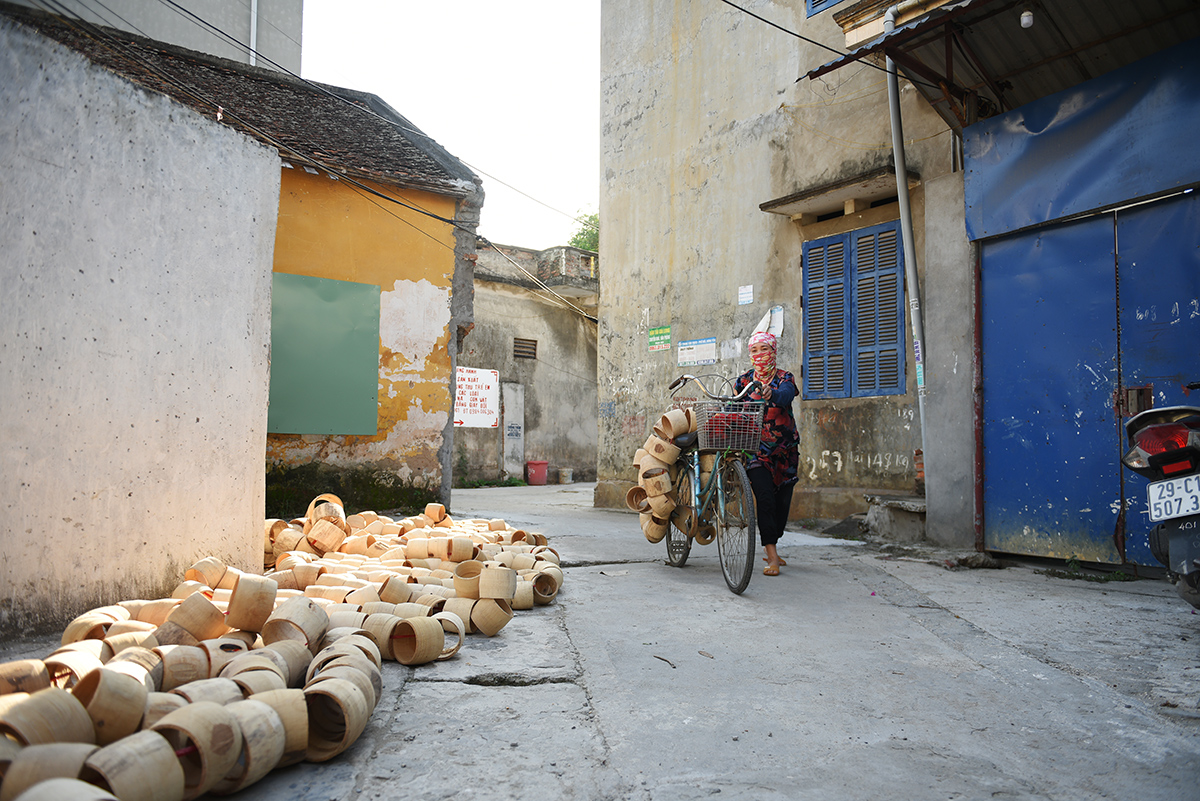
(679, 544)
(735, 526)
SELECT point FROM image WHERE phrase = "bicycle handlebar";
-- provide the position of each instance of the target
(683, 379)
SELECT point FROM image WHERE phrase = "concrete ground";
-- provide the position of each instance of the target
(862, 672)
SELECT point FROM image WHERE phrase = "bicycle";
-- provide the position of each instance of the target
(718, 503)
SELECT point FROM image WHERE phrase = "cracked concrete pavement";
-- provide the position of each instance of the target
(864, 671)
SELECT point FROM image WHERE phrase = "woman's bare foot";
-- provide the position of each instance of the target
(773, 561)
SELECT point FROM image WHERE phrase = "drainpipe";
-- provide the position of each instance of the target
(253, 32)
(906, 230)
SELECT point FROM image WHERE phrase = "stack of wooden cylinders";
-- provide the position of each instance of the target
(428, 559)
(238, 674)
(654, 498)
(121, 711)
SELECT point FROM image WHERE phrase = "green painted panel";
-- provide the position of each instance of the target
(324, 356)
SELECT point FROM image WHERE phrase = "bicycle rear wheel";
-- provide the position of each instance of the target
(735, 527)
(679, 544)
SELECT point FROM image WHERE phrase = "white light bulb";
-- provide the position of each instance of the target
(1027, 19)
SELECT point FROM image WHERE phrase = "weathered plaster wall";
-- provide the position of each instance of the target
(559, 385)
(329, 230)
(702, 121)
(134, 334)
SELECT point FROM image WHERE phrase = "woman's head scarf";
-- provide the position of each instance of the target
(764, 363)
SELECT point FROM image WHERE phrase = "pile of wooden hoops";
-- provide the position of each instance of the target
(238, 674)
(656, 498)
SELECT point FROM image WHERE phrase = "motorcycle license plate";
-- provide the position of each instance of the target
(1174, 497)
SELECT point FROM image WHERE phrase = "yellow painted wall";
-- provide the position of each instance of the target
(331, 229)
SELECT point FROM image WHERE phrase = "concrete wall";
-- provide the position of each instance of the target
(950, 399)
(703, 120)
(279, 29)
(134, 334)
(559, 385)
(327, 229)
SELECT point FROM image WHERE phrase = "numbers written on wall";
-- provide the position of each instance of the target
(833, 462)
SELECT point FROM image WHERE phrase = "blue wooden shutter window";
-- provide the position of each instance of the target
(876, 261)
(826, 324)
(817, 6)
(853, 315)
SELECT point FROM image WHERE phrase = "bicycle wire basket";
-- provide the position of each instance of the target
(729, 425)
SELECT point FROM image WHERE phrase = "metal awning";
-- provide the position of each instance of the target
(972, 59)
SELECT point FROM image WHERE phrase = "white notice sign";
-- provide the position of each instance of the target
(477, 398)
(697, 351)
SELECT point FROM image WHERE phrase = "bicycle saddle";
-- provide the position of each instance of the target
(685, 441)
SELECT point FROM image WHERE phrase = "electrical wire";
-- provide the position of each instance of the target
(107, 41)
(538, 281)
(821, 45)
(558, 298)
(238, 43)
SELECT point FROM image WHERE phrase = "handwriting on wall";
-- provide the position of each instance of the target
(834, 462)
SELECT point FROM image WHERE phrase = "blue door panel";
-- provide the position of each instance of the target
(1159, 304)
(1051, 483)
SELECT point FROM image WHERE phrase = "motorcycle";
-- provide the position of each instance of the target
(1164, 446)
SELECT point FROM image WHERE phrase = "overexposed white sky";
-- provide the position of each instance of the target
(511, 88)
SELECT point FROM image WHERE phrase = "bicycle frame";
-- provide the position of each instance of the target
(703, 497)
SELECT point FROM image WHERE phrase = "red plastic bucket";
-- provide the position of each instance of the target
(535, 472)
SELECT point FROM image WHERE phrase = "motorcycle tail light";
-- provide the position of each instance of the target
(1154, 440)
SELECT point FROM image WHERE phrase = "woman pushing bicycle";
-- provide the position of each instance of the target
(773, 470)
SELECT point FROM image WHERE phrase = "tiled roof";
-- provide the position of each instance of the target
(345, 131)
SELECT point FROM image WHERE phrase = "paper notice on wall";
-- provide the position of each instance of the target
(745, 295)
(660, 338)
(476, 398)
(698, 351)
